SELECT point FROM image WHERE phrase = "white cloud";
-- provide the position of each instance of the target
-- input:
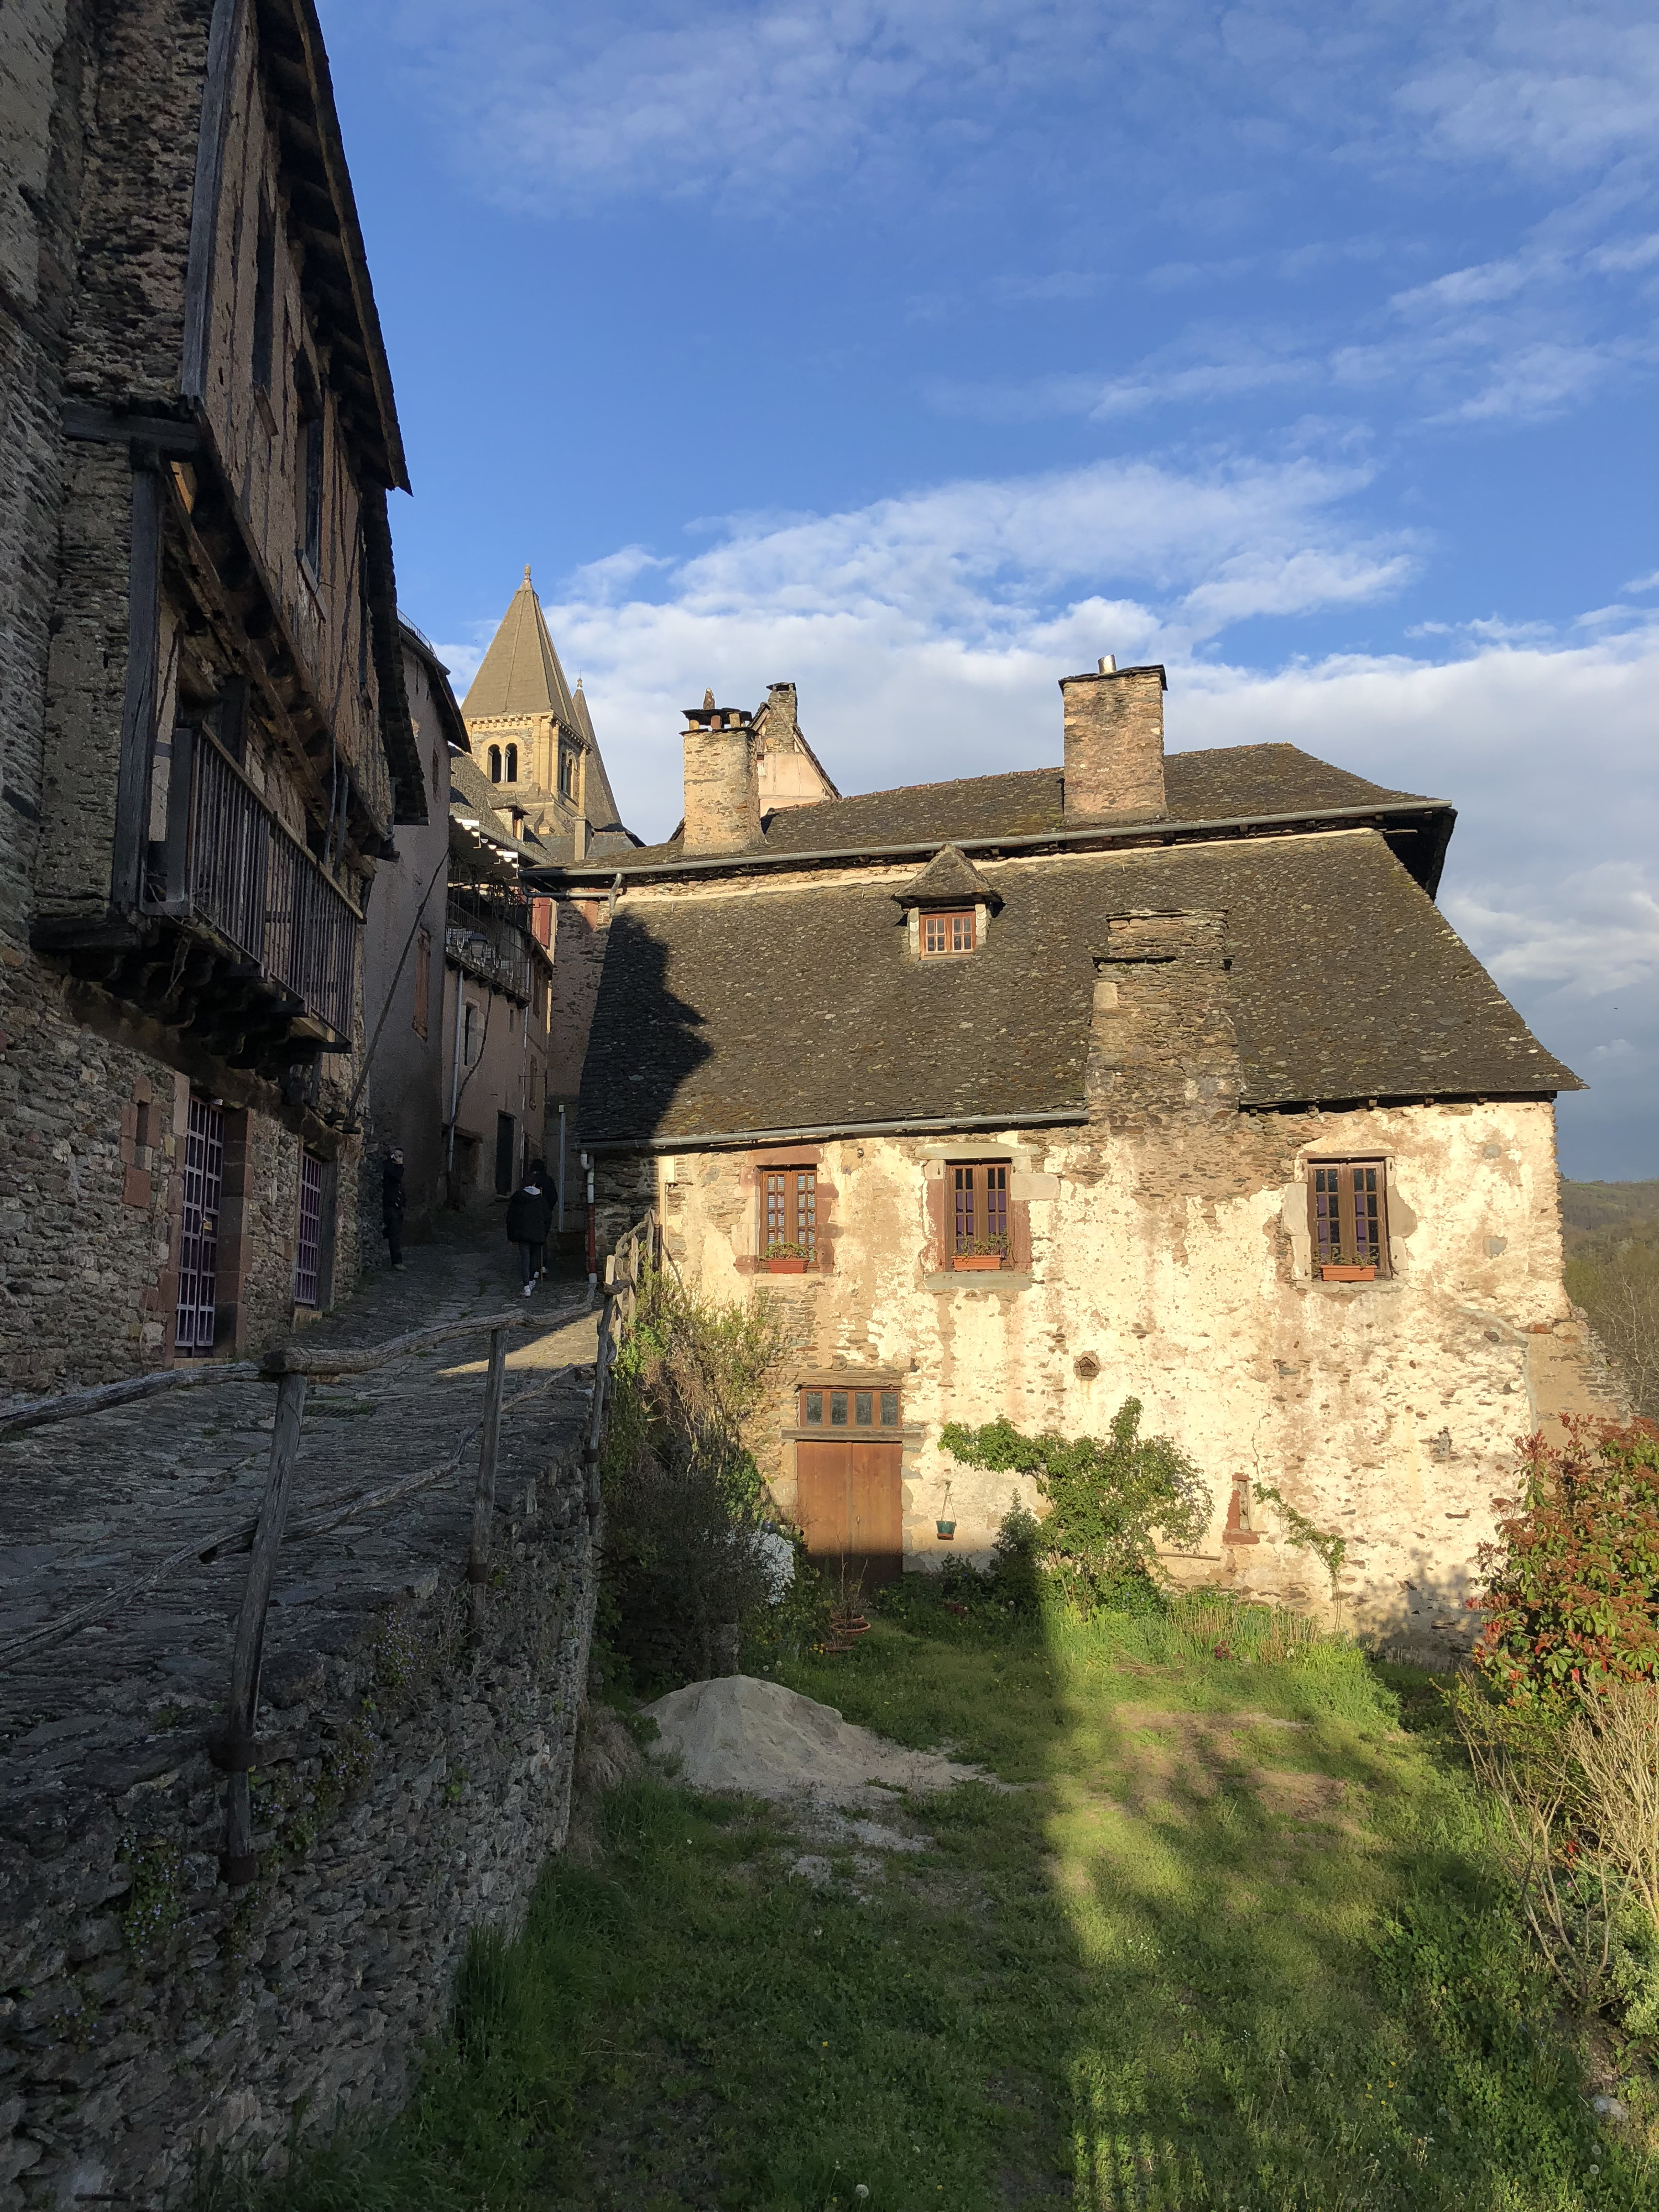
(927, 635)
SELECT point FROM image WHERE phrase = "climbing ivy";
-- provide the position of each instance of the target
(1107, 1495)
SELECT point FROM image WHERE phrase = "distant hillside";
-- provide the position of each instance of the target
(1588, 1207)
(1612, 1272)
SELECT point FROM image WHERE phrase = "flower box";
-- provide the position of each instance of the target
(963, 1262)
(1331, 1273)
(786, 1266)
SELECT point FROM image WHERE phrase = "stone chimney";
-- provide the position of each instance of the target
(1114, 745)
(722, 797)
(780, 716)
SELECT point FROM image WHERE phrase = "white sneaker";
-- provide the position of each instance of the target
(528, 1288)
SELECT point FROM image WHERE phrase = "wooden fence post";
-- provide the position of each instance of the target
(232, 1747)
(484, 1497)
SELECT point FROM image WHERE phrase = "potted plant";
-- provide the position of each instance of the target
(975, 1252)
(1333, 1271)
(784, 1259)
(947, 1529)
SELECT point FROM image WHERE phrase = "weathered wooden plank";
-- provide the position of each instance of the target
(232, 1744)
(483, 1497)
(38, 1412)
(306, 1358)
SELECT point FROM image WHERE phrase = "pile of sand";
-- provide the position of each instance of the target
(735, 1733)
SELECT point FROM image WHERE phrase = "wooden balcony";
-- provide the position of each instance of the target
(242, 941)
(488, 934)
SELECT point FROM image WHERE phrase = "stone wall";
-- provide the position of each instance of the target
(411, 1786)
(1170, 1261)
(90, 1209)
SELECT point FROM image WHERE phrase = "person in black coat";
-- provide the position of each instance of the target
(530, 1222)
(392, 1204)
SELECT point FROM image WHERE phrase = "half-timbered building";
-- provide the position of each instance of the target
(208, 744)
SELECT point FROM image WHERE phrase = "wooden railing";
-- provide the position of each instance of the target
(255, 884)
(233, 1745)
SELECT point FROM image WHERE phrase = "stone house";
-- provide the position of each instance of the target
(1025, 1094)
(206, 742)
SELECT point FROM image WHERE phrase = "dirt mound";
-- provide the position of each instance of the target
(736, 1733)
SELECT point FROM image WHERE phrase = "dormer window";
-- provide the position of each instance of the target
(943, 935)
(947, 908)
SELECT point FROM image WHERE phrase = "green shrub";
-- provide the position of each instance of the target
(1106, 1498)
(683, 1498)
(1571, 1595)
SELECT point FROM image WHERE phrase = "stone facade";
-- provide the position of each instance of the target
(1173, 1264)
(1195, 1100)
(205, 736)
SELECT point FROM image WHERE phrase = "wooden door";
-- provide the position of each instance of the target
(849, 1502)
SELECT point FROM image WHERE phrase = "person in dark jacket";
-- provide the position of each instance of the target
(392, 1204)
(530, 1220)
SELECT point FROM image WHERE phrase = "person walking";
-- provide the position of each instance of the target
(392, 1204)
(529, 1221)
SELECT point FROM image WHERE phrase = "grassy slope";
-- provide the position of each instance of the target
(1196, 1960)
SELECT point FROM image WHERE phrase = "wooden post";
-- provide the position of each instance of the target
(483, 1498)
(233, 1747)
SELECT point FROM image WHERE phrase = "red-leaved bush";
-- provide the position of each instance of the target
(1572, 1598)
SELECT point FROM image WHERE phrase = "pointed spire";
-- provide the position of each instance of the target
(520, 673)
(527, 572)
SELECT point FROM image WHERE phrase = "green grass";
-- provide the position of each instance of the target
(1196, 1960)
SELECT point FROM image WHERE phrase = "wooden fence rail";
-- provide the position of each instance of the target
(233, 1745)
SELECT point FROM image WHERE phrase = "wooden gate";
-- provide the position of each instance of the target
(198, 1232)
(849, 1498)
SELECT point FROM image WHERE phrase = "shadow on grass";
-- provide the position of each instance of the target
(1228, 1943)
(1304, 1987)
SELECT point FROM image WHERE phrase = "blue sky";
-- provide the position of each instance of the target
(921, 353)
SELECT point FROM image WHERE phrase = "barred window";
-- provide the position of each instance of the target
(1348, 1207)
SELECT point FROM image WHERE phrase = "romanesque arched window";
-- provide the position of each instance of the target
(495, 764)
(513, 764)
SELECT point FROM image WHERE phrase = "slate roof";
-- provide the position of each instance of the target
(949, 878)
(729, 1013)
(1219, 784)
(491, 804)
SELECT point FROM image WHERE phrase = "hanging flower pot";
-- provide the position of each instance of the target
(947, 1529)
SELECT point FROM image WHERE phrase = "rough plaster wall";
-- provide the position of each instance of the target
(404, 1102)
(508, 1077)
(1386, 1411)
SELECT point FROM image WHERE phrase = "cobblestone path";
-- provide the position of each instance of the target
(90, 1505)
